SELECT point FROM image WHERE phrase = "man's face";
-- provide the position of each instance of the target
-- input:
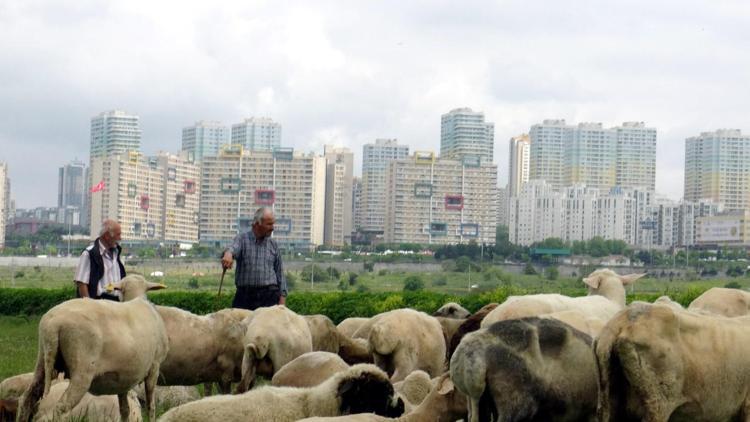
(111, 238)
(265, 226)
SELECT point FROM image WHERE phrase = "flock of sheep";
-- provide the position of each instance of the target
(532, 358)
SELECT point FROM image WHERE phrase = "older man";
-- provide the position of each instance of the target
(260, 275)
(100, 264)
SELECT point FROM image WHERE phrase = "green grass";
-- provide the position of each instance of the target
(18, 345)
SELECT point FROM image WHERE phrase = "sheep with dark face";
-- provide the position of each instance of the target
(360, 389)
(527, 370)
(470, 324)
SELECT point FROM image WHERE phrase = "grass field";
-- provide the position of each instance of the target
(18, 344)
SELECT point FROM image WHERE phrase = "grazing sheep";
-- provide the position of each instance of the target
(170, 396)
(404, 340)
(13, 387)
(91, 408)
(452, 310)
(528, 369)
(450, 327)
(103, 347)
(309, 370)
(444, 403)
(349, 326)
(325, 336)
(203, 349)
(274, 337)
(722, 301)
(471, 324)
(414, 388)
(606, 297)
(354, 351)
(359, 389)
(660, 363)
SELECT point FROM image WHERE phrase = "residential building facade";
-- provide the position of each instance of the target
(4, 201)
(114, 132)
(464, 131)
(204, 138)
(518, 167)
(257, 134)
(375, 160)
(339, 178)
(357, 203)
(71, 192)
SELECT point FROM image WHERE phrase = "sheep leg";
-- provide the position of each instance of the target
(474, 410)
(122, 401)
(77, 388)
(208, 389)
(225, 387)
(150, 386)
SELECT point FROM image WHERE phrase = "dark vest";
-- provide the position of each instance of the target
(97, 268)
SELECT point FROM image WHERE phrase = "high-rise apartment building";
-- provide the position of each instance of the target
(465, 132)
(153, 198)
(375, 160)
(204, 138)
(717, 167)
(433, 200)
(588, 153)
(257, 134)
(4, 201)
(356, 203)
(71, 192)
(114, 132)
(237, 182)
(502, 206)
(338, 219)
(518, 168)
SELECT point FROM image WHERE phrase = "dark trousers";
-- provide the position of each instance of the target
(253, 298)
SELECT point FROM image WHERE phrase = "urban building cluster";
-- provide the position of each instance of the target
(567, 181)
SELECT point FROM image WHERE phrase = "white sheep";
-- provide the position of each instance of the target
(309, 370)
(325, 336)
(361, 388)
(103, 347)
(203, 349)
(722, 301)
(349, 326)
(413, 389)
(274, 337)
(605, 298)
(91, 408)
(169, 396)
(405, 340)
(452, 310)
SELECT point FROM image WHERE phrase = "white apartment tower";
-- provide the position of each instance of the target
(257, 134)
(588, 153)
(518, 167)
(375, 160)
(238, 181)
(717, 167)
(339, 178)
(153, 198)
(204, 138)
(4, 201)
(114, 132)
(464, 132)
(440, 201)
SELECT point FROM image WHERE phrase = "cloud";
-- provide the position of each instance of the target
(350, 72)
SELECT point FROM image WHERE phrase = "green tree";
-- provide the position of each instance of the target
(551, 273)
(413, 283)
(529, 269)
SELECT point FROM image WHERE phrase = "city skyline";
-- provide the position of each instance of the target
(327, 84)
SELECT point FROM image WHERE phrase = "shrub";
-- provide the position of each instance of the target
(440, 281)
(551, 273)
(19, 274)
(291, 280)
(368, 266)
(733, 285)
(413, 283)
(361, 288)
(529, 269)
(352, 279)
(383, 272)
(37, 268)
(193, 283)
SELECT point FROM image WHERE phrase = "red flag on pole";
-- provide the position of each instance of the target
(99, 186)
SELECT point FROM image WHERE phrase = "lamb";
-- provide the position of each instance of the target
(471, 324)
(404, 340)
(103, 347)
(203, 349)
(659, 363)
(527, 369)
(722, 301)
(309, 370)
(444, 403)
(414, 388)
(452, 310)
(325, 336)
(349, 326)
(169, 396)
(91, 408)
(606, 297)
(360, 389)
(274, 337)
(13, 387)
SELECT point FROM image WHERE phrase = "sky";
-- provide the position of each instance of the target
(348, 72)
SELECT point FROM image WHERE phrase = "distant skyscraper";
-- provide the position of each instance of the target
(464, 132)
(357, 203)
(4, 201)
(518, 168)
(204, 138)
(717, 167)
(259, 134)
(338, 220)
(71, 192)
(375, 160)
(564, 155)
(114, 132)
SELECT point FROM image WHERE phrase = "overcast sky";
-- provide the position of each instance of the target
(347, 72)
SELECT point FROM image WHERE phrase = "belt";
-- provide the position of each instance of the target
(266, 287)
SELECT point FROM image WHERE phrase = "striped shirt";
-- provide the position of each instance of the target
(258, 263)
(111, 269)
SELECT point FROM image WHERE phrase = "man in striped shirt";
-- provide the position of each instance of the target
(100, 264)
(260, 274)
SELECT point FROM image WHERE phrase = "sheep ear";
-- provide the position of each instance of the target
(445, 386)
(154, 286)
(592, 282)
(631, 278)
(114, 286)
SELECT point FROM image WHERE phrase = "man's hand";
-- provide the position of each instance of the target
(282, 300)
(226, 260)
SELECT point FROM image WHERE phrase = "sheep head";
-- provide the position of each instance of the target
(606, 282)
(452, 310)
(365, 388)
(134, 286)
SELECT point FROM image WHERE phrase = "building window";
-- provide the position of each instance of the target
(180, 200)
(438, 228)
(171, 174)
(145, 202)
(132, 188)
(230, 185)
(264, 196)
(454, 202)
(189, 186)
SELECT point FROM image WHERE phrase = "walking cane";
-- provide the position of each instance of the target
(222, 281)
